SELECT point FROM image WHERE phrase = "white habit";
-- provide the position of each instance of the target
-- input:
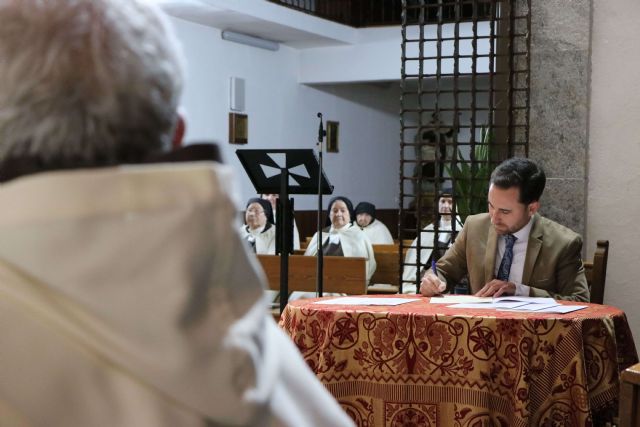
(264, 238)
(427, 241)
(378, 233)
(353, 241)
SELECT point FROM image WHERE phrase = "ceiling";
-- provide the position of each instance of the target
(263, 19)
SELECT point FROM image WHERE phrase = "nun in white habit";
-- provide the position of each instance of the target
(428, 243)
(342, 237)
(376, 231)
(259, 230)
(272, 198)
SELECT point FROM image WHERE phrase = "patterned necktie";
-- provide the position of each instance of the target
(505, 264)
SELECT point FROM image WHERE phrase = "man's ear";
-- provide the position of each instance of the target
(178, 132)
(533, 207)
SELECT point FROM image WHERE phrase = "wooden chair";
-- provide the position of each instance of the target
(629, 415)
(596, 271)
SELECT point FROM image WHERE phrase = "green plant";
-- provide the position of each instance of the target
(471, 179)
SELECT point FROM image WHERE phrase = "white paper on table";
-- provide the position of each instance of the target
(528, 300)
(561, 309)
(460, 299)
(492, 305)
(471, 299)
(367, 301)
(535, 307)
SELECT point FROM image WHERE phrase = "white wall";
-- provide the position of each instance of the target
(377, 56)
(614, 151)
(282, 114)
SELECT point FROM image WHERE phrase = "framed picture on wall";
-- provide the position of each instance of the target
(238, 128)
(332, 136)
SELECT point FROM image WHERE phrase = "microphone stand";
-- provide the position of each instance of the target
(283, 236)
(319, 254)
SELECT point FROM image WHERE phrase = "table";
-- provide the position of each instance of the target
(429, 365)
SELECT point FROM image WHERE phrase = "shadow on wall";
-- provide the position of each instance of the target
(381, 96)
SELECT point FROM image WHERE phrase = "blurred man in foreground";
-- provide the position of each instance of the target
(127, 297)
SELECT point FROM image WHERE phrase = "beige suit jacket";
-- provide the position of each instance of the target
(553, 265)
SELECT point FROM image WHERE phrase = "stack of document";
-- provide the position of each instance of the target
(366, 301)
(510, 303)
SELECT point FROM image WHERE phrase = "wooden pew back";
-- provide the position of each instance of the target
(393, 247)
(387, 268)
(346, 275)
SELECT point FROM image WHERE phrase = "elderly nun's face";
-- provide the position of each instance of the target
(255, 216)
(363, 219)
(339, 214)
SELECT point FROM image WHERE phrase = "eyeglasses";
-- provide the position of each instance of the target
(255, 211)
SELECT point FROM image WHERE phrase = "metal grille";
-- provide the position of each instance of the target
(464, 108)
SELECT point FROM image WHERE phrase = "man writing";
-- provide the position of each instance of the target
(512, 250)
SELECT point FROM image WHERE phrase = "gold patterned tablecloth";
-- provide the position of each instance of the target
(420, 364)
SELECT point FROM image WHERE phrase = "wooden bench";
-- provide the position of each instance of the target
(393, 247)
(346, 275)
(386, 279)
(338, 271)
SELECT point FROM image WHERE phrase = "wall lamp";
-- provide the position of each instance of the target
(232, 36)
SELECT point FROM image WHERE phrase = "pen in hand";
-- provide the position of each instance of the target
(435, 273)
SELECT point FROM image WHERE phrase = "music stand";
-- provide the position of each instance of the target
(284, 172)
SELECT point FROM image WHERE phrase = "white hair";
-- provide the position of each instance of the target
(86, 82)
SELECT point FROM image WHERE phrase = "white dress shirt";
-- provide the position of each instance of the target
(519, 255)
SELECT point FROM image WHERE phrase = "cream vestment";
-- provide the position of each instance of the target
(127, 298)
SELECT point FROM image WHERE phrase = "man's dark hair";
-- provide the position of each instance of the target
(522, 173)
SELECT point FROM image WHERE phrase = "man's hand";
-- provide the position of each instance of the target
(431, 285)
(496, 288)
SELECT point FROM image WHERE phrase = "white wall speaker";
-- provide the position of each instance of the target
(236, 94)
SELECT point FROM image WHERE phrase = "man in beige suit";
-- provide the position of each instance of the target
(512, 250)
(127, 297)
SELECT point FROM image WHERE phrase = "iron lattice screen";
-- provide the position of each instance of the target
(464, 108)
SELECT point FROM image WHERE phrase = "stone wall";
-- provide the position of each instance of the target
(560, 34)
